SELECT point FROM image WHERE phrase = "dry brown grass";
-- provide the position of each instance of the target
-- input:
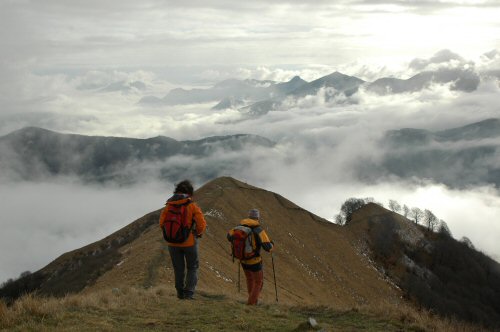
(29, 308)
(4, 313)
(408, 315)
(135, 308)
(114, 298)
(33, 306)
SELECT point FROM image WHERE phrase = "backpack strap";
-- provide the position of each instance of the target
(258, 243)
(193, 222)
(256, 230)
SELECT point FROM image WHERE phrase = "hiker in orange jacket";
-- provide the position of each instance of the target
(184, 255)
(252, 267)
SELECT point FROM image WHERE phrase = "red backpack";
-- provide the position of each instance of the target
(243, 243)
(175, 228)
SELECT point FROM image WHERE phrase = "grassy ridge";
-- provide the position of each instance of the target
(157, 309)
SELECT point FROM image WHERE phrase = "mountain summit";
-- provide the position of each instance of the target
(316, 261)
(379, 258)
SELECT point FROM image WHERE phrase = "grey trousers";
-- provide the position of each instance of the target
(185, 263)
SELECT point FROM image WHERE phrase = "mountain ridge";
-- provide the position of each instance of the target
(488, 128)
(460, 79)
(470, 150)
(407, 153)
(433, 269)
(264, 96)
(33, 153)
(378, 258)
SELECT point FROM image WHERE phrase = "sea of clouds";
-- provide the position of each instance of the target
(319, 147)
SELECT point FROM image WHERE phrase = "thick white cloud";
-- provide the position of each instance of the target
(443, 57)
(41, 221)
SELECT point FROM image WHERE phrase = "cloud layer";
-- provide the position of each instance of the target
(41, 221)
(319, 146)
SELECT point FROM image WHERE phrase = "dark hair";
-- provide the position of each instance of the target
(184, 187)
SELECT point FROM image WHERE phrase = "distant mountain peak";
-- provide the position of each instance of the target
(296, 79)
(229, 102)
(338, 76)
(337, 73)
(30, 131)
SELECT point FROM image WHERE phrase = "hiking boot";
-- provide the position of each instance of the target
(180, 295)
(188, 295)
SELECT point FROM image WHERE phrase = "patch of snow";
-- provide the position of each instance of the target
(308, 269)
(215, 214)
(218, 273)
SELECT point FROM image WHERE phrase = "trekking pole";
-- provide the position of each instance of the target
(239, 270)
(274, 273)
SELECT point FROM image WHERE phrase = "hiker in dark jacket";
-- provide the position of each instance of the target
(184, 255)
(253, 266)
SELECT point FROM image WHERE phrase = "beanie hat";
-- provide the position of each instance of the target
(254, 214)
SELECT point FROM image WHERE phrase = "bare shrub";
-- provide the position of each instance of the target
(348, 207)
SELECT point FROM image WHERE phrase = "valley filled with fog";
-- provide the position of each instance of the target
(317, 146)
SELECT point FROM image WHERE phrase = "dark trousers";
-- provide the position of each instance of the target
(185, 263)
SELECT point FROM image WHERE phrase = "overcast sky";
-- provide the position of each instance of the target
(67, 34)
(57, 56)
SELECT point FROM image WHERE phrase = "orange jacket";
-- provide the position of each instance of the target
(193, 214)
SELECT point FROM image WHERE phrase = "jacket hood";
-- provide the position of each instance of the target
(178, 199)
(250, 222)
